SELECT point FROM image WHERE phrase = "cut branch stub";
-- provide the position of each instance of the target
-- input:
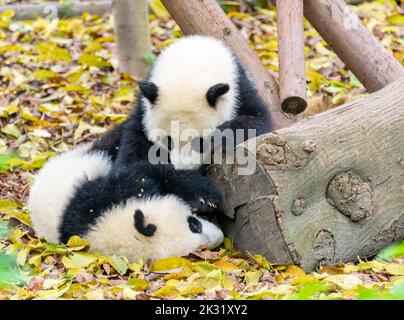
(351, 196)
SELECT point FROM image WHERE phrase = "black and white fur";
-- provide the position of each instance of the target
(125, 213)
(198, 82)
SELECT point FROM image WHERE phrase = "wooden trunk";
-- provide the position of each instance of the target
(329, 188)
(131, 26)
(292, 72)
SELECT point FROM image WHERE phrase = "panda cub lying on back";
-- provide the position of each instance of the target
(125, 213)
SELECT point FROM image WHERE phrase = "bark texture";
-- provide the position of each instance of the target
(132, 35)
(326, 189)
(292, 72)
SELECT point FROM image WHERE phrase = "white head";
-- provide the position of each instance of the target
(155, 228)
(191, 90)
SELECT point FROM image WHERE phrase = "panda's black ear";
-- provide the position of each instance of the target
(215, 92)
(149, 90)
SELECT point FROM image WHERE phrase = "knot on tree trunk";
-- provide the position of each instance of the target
(324, 248)
(351, 195)
(274, 151)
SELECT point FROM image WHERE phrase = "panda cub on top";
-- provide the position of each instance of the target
(195, 87)
(131, 213)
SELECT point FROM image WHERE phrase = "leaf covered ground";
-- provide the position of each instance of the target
(59, 87)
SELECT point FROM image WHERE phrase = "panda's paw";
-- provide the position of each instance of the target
(205, 208)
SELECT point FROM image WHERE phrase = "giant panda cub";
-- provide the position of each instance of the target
(196, 89)
(131, 213)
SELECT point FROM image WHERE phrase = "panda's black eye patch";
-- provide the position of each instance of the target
(147, 230)
(194, 225)
(215, 92)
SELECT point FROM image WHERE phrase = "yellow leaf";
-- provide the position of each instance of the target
(35, 260)
(51, 52)
(20, 216)
(95, 295)
(92, 60)
(397, 19)
(158, 8)
(344, 281)
(169, 290)
(83, 259)
(11, 130)
(23, 255)
(124, 94)
(78, 89)
(5, 18)
(208, 282)
(293, 271)
(5, 204)
(228, 282)
(138, 284)
(45, 74)
(94, 47)
(77, 243)
(129, 294)
(170, 264)
(191, 289)
(395, 269)
(226, 266)
(252, 277)
(262, 261)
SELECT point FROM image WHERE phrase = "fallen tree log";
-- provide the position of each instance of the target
(329, 188)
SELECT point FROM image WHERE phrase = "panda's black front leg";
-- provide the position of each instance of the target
(241, 128)
(198, 192)
(191, 186)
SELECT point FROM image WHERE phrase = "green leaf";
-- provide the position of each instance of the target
(138, 284)
(150, 59)
(120, 264)
(4, 229)
(310, 289)
(10, 272)
(394, 251)
(83, 259)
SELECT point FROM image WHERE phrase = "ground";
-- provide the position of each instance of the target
(59, 87)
